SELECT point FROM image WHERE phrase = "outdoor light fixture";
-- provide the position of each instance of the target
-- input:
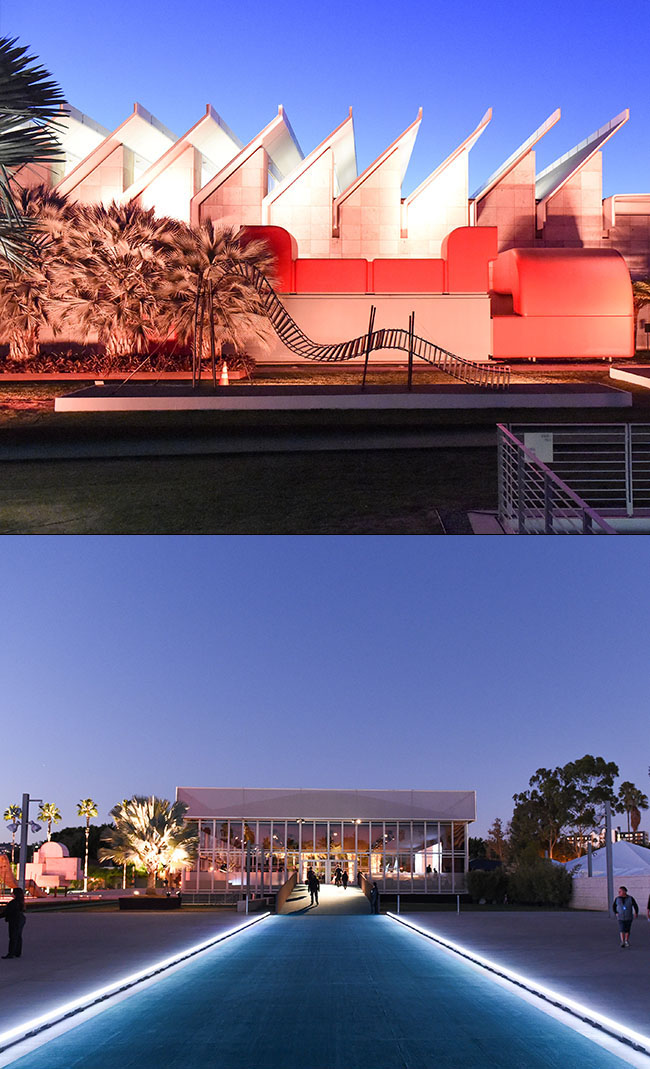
(103, 994)
(555, 1001)
(13, 828)
(34, 826)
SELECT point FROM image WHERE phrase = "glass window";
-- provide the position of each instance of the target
(250, 832)
(335, 836)
(321, 838)
(278, 834)
(235, 834)
(348, 836)
(363, 838)
(404, 836)
(459, 838)
(293, 835)
(445, 837)
(264, 836)
(307, 831)
(377, 835)
(390, 835)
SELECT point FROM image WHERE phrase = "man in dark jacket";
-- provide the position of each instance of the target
(626, 909)
(313, 883)
(14, 915)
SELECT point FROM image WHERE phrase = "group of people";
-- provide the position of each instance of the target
(341, 878)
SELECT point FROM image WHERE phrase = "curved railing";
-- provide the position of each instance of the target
(492, 376)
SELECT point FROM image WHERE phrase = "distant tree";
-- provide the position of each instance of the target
(641, 296)
(477, 847)
(86, 808)
(497, 840)
(568, 798)
(50, 814)
(12, 815)
(631, 799)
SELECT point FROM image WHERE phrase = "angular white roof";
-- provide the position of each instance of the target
(518, 155)
(557, 174)
(304, 804)
(464, 146)
(628, 858)
(342, 144)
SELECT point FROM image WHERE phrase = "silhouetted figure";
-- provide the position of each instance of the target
(374, 898)
(14, 915)
(344, 880)
(313, 883)
(338, 873)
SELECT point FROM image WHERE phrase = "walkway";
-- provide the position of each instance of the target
(332, 902)
(336, 993)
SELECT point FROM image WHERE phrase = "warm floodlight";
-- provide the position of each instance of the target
(34, 826)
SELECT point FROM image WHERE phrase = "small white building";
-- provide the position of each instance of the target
(52, 866)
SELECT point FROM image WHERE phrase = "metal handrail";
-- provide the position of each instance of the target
(470, 371)
(544, 512)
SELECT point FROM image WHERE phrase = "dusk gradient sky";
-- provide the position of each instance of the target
(384, 59)
(133, 665)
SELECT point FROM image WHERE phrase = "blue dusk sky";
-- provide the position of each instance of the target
(523, 59)
(134, 665)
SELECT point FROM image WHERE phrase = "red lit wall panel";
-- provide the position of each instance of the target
(468, 251)
(408, 276)
(562, 336)
(564, 282)
(331, 276)
(284, 248)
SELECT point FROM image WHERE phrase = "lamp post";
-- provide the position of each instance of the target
(25, 822)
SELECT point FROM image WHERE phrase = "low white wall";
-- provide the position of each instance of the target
(459, 322)
(591, 892)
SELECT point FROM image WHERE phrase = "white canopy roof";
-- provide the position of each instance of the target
(629, 860)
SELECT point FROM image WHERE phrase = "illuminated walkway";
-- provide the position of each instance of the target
(336, 992)
(332, 902)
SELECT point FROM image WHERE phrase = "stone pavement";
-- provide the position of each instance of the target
(576, 954)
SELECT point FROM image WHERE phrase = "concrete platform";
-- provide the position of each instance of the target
(639, 375)
(142, 397)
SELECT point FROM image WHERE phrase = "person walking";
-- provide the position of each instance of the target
(374, 898)
(625, 909)
(313, 884)
(337, 876)
(344, 879)
(14, 915)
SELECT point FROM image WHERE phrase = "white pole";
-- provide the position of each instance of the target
(609, 856)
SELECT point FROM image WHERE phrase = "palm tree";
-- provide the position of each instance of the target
(629, 799)
(641, 295)
(109, 277)
(26, 293)
(29, 101)
(86, 808)
(210, 298)
(12, 814)
(150, 832)
(49, 812)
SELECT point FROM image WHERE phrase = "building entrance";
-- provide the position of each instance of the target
(325, 867)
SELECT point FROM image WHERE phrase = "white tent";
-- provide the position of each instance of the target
(629, 860)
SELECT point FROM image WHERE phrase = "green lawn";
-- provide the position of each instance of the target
(373, 492)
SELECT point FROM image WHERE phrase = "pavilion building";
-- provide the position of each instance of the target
(252, 840)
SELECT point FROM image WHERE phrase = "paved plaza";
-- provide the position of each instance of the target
(324, 987)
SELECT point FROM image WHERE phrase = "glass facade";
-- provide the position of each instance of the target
(258, 856)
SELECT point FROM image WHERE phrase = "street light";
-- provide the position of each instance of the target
(24, 823)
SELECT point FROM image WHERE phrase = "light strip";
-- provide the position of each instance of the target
(84, 1002)
(613, 1028)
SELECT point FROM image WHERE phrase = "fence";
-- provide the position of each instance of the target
(606, 464)
(533, 499)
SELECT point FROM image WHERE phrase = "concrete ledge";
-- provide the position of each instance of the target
(138, 398)
(638, 376)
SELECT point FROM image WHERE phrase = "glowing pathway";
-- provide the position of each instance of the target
(331, 992)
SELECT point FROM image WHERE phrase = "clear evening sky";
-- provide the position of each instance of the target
(133, 665)
(385, 59)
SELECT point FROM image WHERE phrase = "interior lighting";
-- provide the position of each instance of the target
(102, 994)
(588, 1016)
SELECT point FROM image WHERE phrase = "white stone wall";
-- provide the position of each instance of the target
(591, 892)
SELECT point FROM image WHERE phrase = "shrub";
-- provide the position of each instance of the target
(539, 882)
(491, 886)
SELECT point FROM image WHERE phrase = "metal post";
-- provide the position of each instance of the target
(548, 505)
(411, 333)
(629, 484)
(521, 481)
(246, 903)
(371, 325)
(457, 903)
(22, 857)
(609, 856)
(398, 903)
(590, 860)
